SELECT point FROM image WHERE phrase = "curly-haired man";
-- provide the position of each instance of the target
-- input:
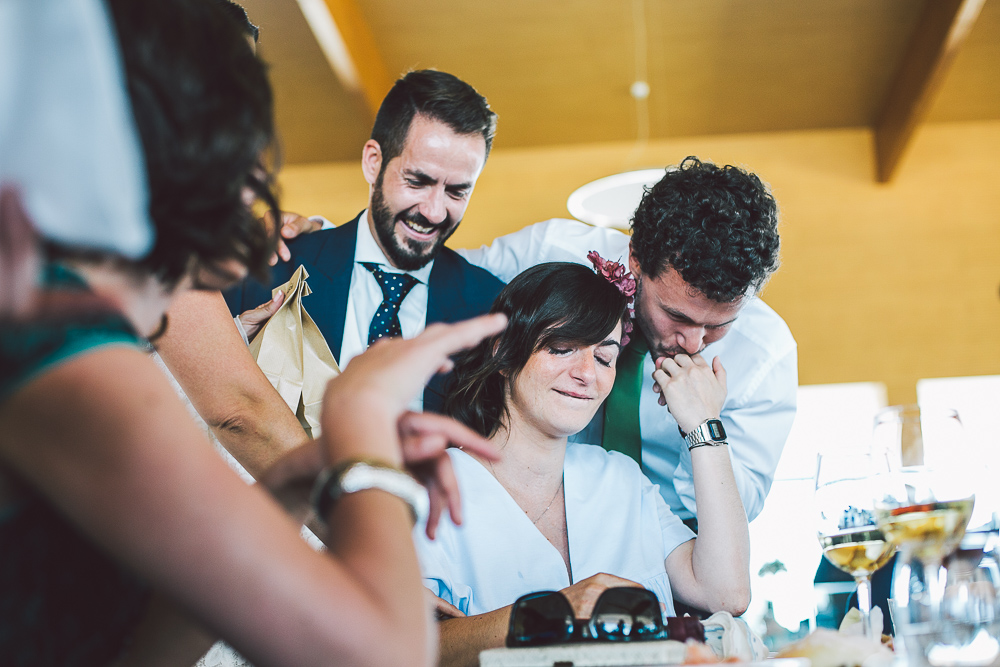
(704, 242)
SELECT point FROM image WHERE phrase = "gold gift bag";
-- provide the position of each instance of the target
(294, 355)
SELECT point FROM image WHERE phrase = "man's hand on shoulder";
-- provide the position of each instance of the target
(293, 225)
(692, 390)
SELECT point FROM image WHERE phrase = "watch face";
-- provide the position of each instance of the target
(716, 430)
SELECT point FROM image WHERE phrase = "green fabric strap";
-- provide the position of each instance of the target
(621, 410)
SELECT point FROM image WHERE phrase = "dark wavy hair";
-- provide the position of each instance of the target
(716, 226)
(238, 14)
(437, 95)
(546, 305)
(204, 113)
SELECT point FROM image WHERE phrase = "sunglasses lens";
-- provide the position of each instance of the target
(539, 619)
(626, 614)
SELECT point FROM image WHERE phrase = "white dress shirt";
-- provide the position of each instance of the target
(365, 296)
(758, 353)
(616, 522)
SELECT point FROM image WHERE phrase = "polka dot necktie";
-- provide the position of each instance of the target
(395, 287)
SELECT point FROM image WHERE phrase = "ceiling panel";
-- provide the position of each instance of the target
(723, 66)
(318, 120)
(555, 71)
(559, 71)
(971, 90)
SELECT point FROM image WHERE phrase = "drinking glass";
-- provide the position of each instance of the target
(924, 506)
(846, 488)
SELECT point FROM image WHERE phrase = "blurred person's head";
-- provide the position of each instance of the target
(240, 16)
(203, 108)
(704, 240)
(432, 135)
(553, 365)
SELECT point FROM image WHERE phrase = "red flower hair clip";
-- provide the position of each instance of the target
(616, 274)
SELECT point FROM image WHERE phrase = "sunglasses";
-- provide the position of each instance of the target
(624, 614)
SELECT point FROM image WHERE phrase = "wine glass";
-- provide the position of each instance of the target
(846, 487)
(924, 506)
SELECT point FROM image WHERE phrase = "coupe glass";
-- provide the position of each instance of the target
(846, 488)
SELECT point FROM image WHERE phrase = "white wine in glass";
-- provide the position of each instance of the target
(927, 529)
(851, 540)
(858, 552)
(924, 505)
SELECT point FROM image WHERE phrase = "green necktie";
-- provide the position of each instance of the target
(621, 410)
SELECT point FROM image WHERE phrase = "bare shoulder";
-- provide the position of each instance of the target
(93, 416)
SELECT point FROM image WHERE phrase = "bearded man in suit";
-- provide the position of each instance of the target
(387, 272)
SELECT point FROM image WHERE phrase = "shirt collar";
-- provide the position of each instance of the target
(367, 250)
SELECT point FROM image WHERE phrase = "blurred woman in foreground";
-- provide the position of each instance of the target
(109, 492)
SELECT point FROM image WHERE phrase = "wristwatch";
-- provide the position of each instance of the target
(355, 475)
(708, 433)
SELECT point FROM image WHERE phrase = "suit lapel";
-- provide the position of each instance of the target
(330, 280)
(444, 295)
(444, 304)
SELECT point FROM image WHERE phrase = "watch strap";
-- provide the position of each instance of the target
(710, 443)
(353, 475)
(708, 433)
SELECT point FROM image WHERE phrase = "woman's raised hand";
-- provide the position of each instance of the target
(424, 436)
(365, 408)
(365, 416)
(376, 388)
(423, 439)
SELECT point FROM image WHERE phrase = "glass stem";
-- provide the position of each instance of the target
(935, 586)
(865, 605)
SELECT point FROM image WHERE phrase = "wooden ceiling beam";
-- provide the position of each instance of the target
(349, 45)
(939, 35)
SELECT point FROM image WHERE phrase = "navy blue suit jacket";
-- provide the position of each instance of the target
(457, 290)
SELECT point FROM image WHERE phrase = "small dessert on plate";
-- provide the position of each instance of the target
(829, 648)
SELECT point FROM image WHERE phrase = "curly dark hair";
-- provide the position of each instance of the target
(548, 304)
(437, 95)
(716, 226)
(203, 109)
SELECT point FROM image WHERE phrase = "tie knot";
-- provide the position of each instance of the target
(395, 286)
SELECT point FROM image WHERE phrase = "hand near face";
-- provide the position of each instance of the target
(362, 406)
(692, 390)
(365, 416)
(583, 594)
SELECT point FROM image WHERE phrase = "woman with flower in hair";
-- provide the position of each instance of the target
(548, 515)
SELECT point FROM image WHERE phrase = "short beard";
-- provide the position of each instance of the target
(410, 255)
